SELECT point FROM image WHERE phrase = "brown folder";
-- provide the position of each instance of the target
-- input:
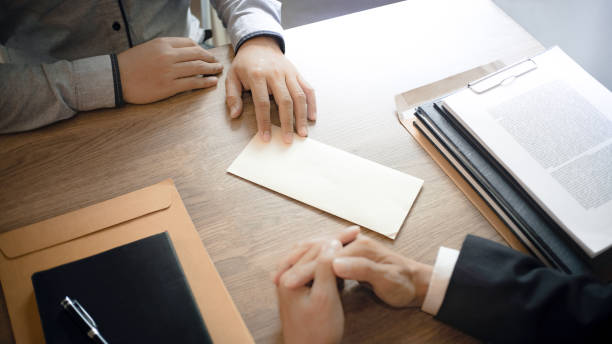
(407, 101)
(103, 226)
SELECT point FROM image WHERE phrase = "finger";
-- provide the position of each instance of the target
(302, 271)
(313, 251)
(311, 100)
(293, 257)
(324, 278)
(290, 296)
(261, 100)
(181, 42)
(348, 234)
(193, 83)
(362, 246)
(196, 67)
(193, 53)
(345, 236)
(299, 105)
(285, 107)
(299, 275)
(358, 269)
(233, 94)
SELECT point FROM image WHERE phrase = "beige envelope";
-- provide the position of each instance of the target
(103, 226)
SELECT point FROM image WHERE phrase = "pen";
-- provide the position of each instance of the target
(82, 319)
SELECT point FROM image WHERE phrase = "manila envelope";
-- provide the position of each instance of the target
(99, 228)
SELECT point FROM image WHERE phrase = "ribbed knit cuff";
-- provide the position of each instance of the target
(117, 81)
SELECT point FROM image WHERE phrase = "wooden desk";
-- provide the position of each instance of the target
(246, 228)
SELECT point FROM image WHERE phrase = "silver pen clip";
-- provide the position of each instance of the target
(67, 302)
(84, 314)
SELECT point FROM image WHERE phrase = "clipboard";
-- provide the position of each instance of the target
(502, 77)
(407, 102)
(103, 226)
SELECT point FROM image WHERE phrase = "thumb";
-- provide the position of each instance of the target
(324, 277)
(358, 269)
(233, 94)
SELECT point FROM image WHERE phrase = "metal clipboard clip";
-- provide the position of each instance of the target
(503, 76)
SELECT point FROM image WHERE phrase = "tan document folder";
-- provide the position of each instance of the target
(407, 101)
(103, 226)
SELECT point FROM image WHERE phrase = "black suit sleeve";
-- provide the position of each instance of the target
(500, 295)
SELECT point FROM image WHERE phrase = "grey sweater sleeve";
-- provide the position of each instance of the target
(36, 94)
(246, 19)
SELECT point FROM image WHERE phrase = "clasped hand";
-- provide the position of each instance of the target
(314, 314)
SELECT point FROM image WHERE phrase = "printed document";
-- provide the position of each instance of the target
(551, 128)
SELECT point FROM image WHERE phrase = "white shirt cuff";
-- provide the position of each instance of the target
(440, 277)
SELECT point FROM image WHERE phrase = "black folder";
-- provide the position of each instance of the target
(136, 293)
(543, 233)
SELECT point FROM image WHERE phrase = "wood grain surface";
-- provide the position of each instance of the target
(246, 229)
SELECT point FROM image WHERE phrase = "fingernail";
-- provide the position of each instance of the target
(234, 111)
(332, 247)
(329, 250)
(353, 228)
(342, 266)
(288, 137)
(266, 136)
(335, 245)
(303, 131)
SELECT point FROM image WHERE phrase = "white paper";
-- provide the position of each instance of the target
(358, 190)
(551, 128)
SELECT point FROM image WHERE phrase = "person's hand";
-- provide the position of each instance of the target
(163, 67)
(261, 67)
(301, 260)
(395, 279)
(313, 314)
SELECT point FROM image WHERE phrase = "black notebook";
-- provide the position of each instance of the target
(136, 293)
(512, 203)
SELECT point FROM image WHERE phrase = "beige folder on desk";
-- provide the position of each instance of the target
(103, 226)
(406, 103)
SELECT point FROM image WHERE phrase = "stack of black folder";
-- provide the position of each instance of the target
(136, 293)
(536, 230)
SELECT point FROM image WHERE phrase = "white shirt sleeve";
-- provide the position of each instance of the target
(246, 19)
(440, 277)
